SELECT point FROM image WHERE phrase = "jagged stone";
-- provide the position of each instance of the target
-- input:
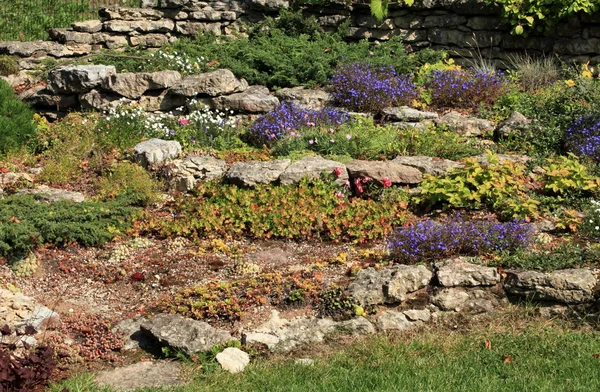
(464, 125)
(390, 285)
(156, 151)
(458, 272)
(515, 125)
(79, 78)
(303, 97)
(185, 174)
(378, 170)
(254, 173)
(312, 167)
(134, 85)
(428, 165)
(405, 113)
(233, 360)
(184, 334)
(254, 99)
(219, 82)
(569, 286)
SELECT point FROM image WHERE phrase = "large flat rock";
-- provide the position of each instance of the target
(378, 170)
(569, 286)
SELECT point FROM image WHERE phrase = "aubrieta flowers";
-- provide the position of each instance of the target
(583, 137)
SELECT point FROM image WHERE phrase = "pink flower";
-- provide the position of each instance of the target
(331, 141)
(311, 124)
(292, 133)
(337, 171)
(386, 182)
(339, 195)
(183, 121)
(311, 141)
(331, 130)
(348, 136)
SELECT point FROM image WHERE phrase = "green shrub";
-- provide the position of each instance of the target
(16, 121)
(27, 223)
(8, 66)
(567, 176)
(128, 178)
(550, 257)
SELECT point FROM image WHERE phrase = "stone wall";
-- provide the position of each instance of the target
(466, 28)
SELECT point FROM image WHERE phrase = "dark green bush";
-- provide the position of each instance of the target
(16, 120)
(26, 223)
(8, 66)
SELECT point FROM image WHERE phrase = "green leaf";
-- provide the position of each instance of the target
(519, 30)
(379, 8)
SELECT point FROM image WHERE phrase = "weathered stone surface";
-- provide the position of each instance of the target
(40, 96)
(464, 125)
(44, 192)
(254, 99)
(184, 334)
(156, 151)
(462, 299)
(378, 170)
(141, 26)
(162, 102)
(79, 78)
(515, 125)
(418, 315)
(219, 82)
(405, 113)
(270, 5)
(356, 326)
(459, 272)
(142, 375)
(233, 360)
(125, 13)
(395, 321)
(185, 174)
(115, 41)
(254, 173)
(68, 36)
(304, 97)
(134, 85)
(18, 311)
(99, 100)
(89, 26)
(429, 165)
(195, 28)
(569, 286)
(312, 167)
(35, 48)
(133, 337)
(372, 287)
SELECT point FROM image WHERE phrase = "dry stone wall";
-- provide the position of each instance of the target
(466, 28)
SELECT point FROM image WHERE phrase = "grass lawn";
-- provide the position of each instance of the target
(534, 357)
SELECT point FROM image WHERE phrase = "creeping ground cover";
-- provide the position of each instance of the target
(362, 189)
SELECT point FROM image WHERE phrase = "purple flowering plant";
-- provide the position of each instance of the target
(464, 89)
(287, 119)
(369, 88)
(429, 240)
(582, 138)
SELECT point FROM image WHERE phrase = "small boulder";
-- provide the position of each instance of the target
(255, 99)
(312, 167)
(460, 299)
(464, 125)
(156, 151)
(133, 85)
(214, 83)
(569, 286)
(395, 321)
(378, 170)
(233, 360)
(254, 173)
(407, 114)
(304, 97)
(459, 272)
(184, 334)
(78, 78)
(515, 125)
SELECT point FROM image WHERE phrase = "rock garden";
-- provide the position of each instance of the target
(175, 214)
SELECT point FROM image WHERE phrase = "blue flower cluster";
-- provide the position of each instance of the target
(367, 88)
(430, 240)
(288, 117)
(464, 89)
(583, 137)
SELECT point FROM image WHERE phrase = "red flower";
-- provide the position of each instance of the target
(386, 182)
(337, 171)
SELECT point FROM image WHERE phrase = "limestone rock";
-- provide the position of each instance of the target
(133, 337)
(390, 285)
(44, 192)
(184, 175)
(462, 299)
(464, 125)
(149, 40)
(99, 100)
(405, 113)
(255, 99)
(40, 96)
(569, 286)
(156, 151)
(458, 272)
(514, 125)
(312, 167)
(428, 165)
(233, 360)
(89, 26)
(418, 315)
(134, 85)
(79, 78)
(162, 102)
(184, 334)
(270, 5)
(215, 83)
(356, 326)
(377, 170)
(254, 173)
(395, 321)
(141, 375)
(303, 97)
(36, 48)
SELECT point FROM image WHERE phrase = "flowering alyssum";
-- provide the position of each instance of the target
(369, 88)
(429, 240)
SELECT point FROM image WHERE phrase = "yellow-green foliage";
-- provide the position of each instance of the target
(499, 186)
(565, 175)
(127, 177)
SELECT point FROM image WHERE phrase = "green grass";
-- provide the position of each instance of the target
(535, 358)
